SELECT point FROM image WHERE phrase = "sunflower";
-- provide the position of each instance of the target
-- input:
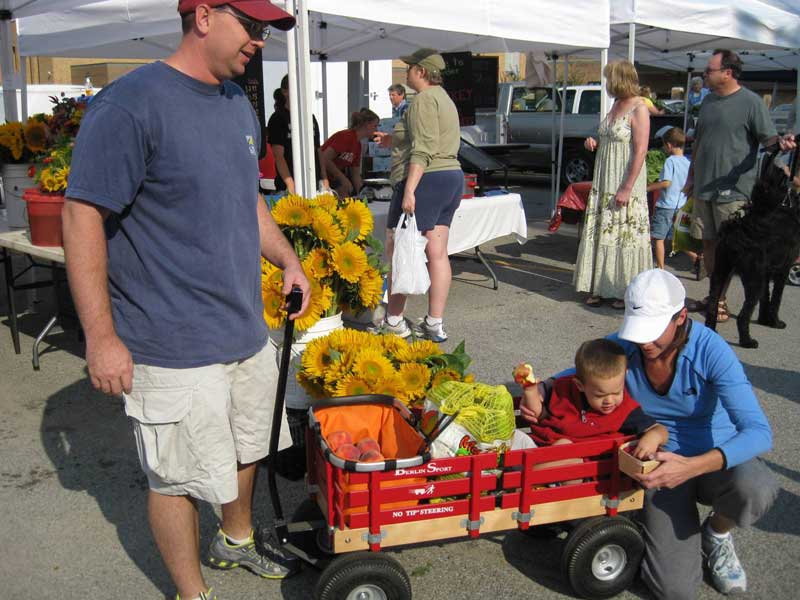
(325, 227)
(326, 201)
(318, 263)
(418, 351)
(370, 288)
(445, 375)
(321, 298)
(352, 386)
(337, 371)
(356, 219)
(60, 178)
(391, 386)
(292, 211)
(372, 365)
(35, 138)
(392, 344)
(273, 306)
(316, 358)
(349, 261)
(415, 378)
(271, 275)
(348, 339)
(310, 385)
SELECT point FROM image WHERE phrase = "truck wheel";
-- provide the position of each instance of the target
(602, 555)
(794, 275)
(364, 576)
(578, 166)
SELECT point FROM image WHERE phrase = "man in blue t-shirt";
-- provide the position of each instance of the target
(670, 187)
(163, 238)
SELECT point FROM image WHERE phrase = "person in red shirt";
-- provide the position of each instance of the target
(341, 154)
(591, 403)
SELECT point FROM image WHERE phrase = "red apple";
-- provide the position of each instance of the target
(368, 444)
(338, 438)
(371, 456)
(348, 452)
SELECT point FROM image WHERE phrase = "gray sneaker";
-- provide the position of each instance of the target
(434, 333)
(209, 595)
(401, 329)
(267, 562)
(726, 571)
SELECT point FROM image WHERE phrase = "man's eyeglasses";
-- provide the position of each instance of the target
(255, 29)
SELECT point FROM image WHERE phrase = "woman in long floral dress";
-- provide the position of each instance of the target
(615, 242)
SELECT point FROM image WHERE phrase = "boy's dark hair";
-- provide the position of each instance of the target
(730, 60)
(675, 137)
(600, 358)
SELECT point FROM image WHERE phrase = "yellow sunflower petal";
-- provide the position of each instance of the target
(370, 288)
(372, 365)
(352, 386)
(325, 227)
(350, 261)
(356, 219)
(415, 378)
(292, 211)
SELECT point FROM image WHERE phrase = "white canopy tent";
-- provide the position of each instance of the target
(337, 30)
(13, 78)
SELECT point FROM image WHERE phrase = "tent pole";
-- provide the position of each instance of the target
(300, 97)
(689, 71)
(324, 62)
(561, 138)
(605, 104)
(631, 41)
(7, 66)
(553, 183)
(23, 84)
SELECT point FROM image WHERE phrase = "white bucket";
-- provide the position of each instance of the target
(296, 396)
(15, 180)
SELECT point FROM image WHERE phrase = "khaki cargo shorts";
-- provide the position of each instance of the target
(709, 215)
(193, 425)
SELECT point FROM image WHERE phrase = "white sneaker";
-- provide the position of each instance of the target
(401, 329)
(434, 333)
(726, 571)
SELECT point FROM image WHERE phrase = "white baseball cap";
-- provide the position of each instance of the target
(651, 300)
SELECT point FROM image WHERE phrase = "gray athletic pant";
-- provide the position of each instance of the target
(672, 565)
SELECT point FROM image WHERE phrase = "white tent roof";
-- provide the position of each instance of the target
(27, 8)
(355, 29)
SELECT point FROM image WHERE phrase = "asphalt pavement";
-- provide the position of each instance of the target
(73, 495)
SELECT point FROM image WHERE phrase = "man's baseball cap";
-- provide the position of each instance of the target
(427, 58)
(651, 300)
(258, 10)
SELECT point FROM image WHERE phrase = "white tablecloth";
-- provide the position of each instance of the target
(477, 221)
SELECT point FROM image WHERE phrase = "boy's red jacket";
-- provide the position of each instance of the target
(572, 418)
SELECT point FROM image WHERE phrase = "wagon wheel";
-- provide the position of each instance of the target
(316, 542)
(794, 275)
(602, 555)
(363, 576)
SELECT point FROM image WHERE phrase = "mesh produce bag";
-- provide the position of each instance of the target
(486, 411)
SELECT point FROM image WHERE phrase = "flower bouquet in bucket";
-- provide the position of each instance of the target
(340, 257)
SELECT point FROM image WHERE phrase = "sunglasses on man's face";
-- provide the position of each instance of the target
(256, 30)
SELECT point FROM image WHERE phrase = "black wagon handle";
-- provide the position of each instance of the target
(294, 301)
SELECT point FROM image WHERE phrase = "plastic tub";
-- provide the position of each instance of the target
(44, 216)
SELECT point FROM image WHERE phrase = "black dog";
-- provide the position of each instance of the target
(760, 246)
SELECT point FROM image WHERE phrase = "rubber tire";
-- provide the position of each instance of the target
(349, 571)
(308, 541)
(574, 156)
(794, 275)
(583, 543)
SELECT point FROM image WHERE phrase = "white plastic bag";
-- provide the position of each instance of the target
(409, 271)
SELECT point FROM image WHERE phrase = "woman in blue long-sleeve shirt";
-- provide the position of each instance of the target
(688, 378)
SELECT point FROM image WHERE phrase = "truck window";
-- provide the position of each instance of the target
(590, 103)
(538, 99)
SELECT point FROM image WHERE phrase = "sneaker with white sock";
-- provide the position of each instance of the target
(385, 328)
(434, 332)
(267, 561)
(726, 571)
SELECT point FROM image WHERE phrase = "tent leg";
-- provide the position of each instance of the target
(560, 139)
(605, 103)
(554, 92)
(7, 66)
(631, 42)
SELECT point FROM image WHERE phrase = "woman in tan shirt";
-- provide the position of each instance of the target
(428, 183)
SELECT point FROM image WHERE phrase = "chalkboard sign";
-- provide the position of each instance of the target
(459, 84)
(252, 82)
(484, 81)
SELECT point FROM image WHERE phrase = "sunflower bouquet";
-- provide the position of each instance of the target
(340, 257)
(20, 143)
(349, 362)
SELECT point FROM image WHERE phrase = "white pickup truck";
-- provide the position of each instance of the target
(520, 131)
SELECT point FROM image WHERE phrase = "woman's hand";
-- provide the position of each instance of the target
(622, 197)
(673, 471)
(409, 202)
(590, 144)
(383, 139)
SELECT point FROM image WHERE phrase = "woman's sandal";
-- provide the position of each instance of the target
(594, 301)
(722, 312)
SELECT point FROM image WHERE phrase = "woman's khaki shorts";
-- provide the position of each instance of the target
(193, 425)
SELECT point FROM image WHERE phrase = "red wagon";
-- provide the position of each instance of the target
(356, 509)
